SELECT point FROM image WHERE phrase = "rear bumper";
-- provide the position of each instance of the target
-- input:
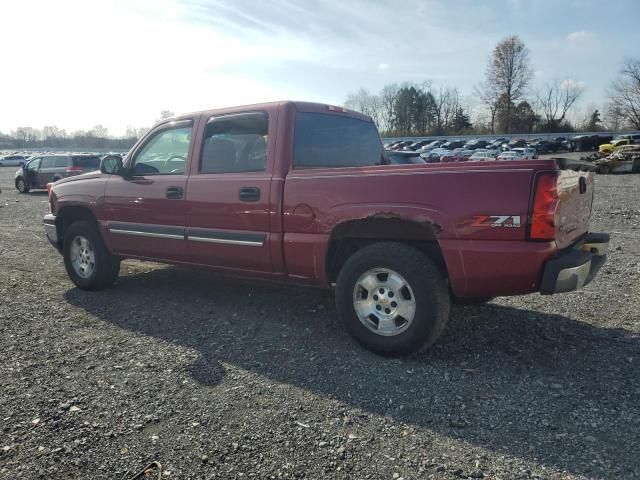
(575, 267)
(50, 229)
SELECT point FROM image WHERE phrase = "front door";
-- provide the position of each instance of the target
(31, 172)
(144, 208)
(228, 194)
(46, 171)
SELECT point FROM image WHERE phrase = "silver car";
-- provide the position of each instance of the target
(13, 161)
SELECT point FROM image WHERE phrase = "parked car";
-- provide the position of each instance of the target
(607, 148)
(582, 143)
(452, 144)
(434, 144)
(511, 155)
(434, 155)
(13, 160)
(634, 138)
(475, 144)
(294, 192)
(48, 168)
(519, 143)
(404, 158)
(527, 152)
(481, 156)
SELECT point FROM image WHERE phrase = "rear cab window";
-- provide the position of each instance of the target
(323, 140)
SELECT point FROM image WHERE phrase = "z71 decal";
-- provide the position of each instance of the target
(496, 221)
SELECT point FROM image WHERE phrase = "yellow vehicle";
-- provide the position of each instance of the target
(607, 148)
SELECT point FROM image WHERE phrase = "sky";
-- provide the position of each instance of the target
(118, 63)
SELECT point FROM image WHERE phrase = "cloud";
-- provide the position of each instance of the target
(570, 83)
(580, 36)
(383, 66)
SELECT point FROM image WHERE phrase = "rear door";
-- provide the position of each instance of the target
(145, 209)
(228, 206)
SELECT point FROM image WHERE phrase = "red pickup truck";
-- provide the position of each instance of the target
(303, 193)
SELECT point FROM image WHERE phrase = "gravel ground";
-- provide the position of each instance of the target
(224, 379)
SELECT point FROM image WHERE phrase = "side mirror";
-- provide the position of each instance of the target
(111, 165)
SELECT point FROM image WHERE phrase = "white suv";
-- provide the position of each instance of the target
(528, 153)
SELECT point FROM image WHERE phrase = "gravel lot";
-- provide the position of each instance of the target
(225, 379)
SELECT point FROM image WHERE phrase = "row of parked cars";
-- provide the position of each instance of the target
(441, 151)
(430, 151)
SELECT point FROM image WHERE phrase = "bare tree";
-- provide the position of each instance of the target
(624, 93)
(487, 95)
(164, 114)
(364, 102)
(99, 131)
(509, 73)
(555, 100)
(447, 102)
(388, 96)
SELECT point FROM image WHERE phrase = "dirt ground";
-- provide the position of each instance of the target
(218, 378)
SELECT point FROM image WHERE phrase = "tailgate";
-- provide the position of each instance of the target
(575, 195)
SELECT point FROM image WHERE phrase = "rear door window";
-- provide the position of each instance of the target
(325, 140)
(48, 162)
(235, 143)
(61, 162)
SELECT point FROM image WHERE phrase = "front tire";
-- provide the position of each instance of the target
(86, 259)
(392, 299)
(21, 185)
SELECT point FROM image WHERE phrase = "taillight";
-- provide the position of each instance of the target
(542, 224)
(73, 169)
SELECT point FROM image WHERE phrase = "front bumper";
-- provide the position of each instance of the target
(51, 230)
(575, 267)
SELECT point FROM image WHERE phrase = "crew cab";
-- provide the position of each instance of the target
(304, 193)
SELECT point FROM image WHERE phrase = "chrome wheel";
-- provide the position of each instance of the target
(384, 302)
(83, 258)
(21, 185)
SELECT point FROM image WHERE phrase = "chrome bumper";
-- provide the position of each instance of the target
(50, 229)
(576, 266)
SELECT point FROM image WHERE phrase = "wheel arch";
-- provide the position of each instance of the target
(72, 213)
(351, 235)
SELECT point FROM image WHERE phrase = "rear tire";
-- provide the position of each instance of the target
(89, 264)
(392, 299)
(21, 185)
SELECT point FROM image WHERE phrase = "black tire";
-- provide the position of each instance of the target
(432, 303)
(470, 301)
(106, 267)
(1, 165)
(21, 185)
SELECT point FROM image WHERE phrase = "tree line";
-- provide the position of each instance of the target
(54, 137)
(507, 102)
